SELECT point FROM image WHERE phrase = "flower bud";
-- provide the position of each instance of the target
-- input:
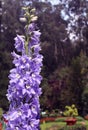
(34, 18)
(23, 19)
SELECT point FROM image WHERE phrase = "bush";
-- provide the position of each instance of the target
(53, 115)
(70, 111)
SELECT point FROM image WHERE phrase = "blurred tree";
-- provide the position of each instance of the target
(77, 85)
(84, 73)
(10, 22)
(9, 27)
(76, 14)
(5, 66)
(54, 35)
(56, 46)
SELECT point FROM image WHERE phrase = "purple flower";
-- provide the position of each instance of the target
(19, 43)
(24, 85)
(31, 27)
(36, 34)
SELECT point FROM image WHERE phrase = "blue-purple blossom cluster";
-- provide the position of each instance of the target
(23, 90)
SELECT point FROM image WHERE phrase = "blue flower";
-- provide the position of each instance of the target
(24, 85)
(19, 43)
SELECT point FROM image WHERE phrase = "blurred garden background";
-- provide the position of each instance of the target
(64, 43)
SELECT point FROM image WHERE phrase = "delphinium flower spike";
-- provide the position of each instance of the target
(24, 85)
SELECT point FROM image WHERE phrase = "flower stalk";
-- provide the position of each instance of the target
(23, 90)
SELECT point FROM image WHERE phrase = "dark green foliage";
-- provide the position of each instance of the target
(5, 66)
(85, 101)
(76, 82)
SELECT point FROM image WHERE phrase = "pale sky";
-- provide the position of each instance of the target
(53, 1)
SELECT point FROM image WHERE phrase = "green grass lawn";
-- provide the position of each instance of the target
(45, 126)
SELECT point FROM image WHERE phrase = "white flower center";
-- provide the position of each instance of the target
(28, 86)
(19, 113)
(32, 124)
(23, 60)
(17, 76)
(33, 75)
(33, 108)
